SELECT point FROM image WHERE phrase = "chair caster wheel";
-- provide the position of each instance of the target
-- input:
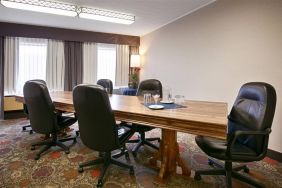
(131, 171)
(99, 183)
(32, 148)
(30, 132)
(246, 170)
(80, 169)
(37, 157)
(197, 177)
(210, 162)
(67, 152)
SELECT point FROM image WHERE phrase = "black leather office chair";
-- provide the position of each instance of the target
(43, 117)
(98, 129)
(152, 86)
(249, 126)
(106, 83)
(26, 111)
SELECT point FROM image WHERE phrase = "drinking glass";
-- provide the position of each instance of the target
(147, 98)
(169, 95)
(179, 99)
(156, 98)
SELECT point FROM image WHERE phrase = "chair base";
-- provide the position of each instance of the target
(106, 160)
(228, 172)
(143, 141)
(123, 151)
(25, 129)
(221, 165)
(47, 144)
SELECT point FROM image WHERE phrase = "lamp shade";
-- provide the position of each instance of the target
(135, 61)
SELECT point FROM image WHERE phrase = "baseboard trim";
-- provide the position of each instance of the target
(274, 155)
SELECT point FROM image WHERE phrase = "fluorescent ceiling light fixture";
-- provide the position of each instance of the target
(60, 8)
(51, 7)
(106, 15)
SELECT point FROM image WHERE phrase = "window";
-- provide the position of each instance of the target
(32, 61)
(106, 62)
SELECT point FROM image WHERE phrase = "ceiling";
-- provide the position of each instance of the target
(149, 15)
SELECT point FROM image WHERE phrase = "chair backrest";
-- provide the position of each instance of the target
(35, 80)
(39, 80)
(152, 86)
(95, 117)
(41, 109)
(253, 110)
(106, 83)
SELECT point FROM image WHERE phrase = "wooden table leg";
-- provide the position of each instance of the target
(169, 156)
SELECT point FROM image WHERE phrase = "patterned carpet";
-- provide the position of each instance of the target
(56, 169)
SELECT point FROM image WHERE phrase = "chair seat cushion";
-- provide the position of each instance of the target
(217, 148)
(65, 121)
(124, 133)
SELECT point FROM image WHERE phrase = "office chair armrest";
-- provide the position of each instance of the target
(236, 134)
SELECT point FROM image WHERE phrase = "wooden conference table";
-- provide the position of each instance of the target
(199, 118)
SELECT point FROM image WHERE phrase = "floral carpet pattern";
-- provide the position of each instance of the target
(57, 169)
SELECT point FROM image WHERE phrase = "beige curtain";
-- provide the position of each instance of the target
(55, 67)
(90, 55)
(11, 64)
(122, 66)
(32, 60)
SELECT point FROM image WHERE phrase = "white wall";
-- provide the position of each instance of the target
(210, 53)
